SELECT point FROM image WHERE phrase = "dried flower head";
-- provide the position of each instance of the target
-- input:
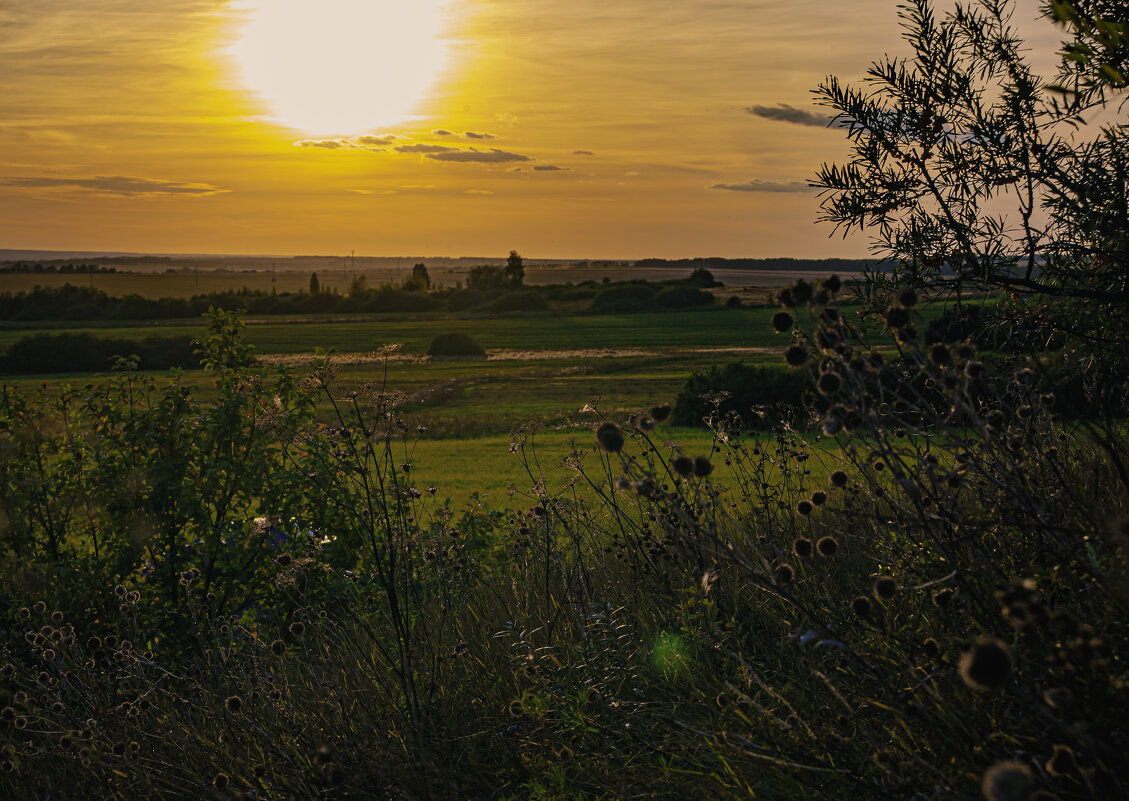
(827, 546)
(830, 383)
(897, 317)
(233, 703)
(986, 665)
(860, 606)
(1007, 781)
(702, 466)
(221, 780)
(804, 507)
(283, 560)
(1061, 761)
(802, 547)
(931, 648)
(782, 321)
(939, 354)
(609, 437)
(838, 478)
(796, 355)
(682, 465)
(819, 497)
(661, 412)
(297, 628)
(785, 573)
(832, 283)
(907, 297)
(885, 588)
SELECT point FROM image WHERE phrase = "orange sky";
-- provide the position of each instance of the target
(561, 128)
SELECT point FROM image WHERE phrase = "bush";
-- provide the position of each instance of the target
(682, 297)
(84, 352)
(635, 297)
(738, 387)
(454, 344)
(466, 299)
(519, 300)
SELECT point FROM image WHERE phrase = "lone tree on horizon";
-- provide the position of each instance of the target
(515, 268)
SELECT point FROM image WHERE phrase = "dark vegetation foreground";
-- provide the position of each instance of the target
(226, 596)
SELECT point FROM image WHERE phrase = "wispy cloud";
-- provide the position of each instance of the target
(474, 135)
(421, 148)
(785, 113)
(478, 192)
(367, 142)
(493, 156)
(118, 185)
(550, 168)
(583, 153)
(757, 185)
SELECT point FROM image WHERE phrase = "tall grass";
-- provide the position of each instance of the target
(233, 599)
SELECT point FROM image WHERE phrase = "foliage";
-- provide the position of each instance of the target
(84, 352)
(454, 344)
(515, 269)
(519, 300)
(486, 278)
(753, 393)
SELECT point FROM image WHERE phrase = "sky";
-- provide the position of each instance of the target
(615, 129)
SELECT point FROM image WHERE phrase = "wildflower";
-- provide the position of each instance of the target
(221, 781)
(278, 647)
(56, 617)
(785, 573)
(839, 478)
(796, 355)
(1061, 761)
(908, 298)
(119, 590)
(995, 419)
(804, 507)
(860, 606)
(1023, 412)
(819, 497)
(827, 546)
(1025, 376)
(1007, 781)
(986, 665)
(879, 465)
(8, 713)
(297, 628)
(58, 707)
(939, 354)
(233, 703)
(646, 487)
(802, 547)
(25, 613)
(973, 369)
(800, 292)
(884, 588)
(702, 466)
(931, 648)
(609, 437)
(830, 383)
(660, 412)
(782, 321)
(40, 607)
(682, 465)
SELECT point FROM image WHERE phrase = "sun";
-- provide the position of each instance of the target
(341, 66)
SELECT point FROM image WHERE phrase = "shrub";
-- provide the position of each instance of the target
(739, 388)
(84, 352)
(454, 343)
(635, 297)
(519, 300)
(681, 297)
(466, 299)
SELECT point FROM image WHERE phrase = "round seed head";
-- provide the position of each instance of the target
(1061, 761)
(885, 588)
(609, 437)
(908, 298)
(796, 355)
(939, 354)
(682, 465)
(839, 478)
(931, 648)
(297, 628)
(233, 703)
(801, 292)
(986, 665)
(221, 780)
(860, 606)
(785, 573)
(802, 547)
(830, 383)
(782, 321)
(278, 647)
(897, 317)
(827, 546)
(702, 466)
(832, 283)
(1007, 781)
(660, 412)
(819, 497)
(804, 507)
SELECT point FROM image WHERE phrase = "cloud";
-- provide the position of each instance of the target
(583, 153)
(757, 185)
(372, 191)
(550, 168)
(493, 156)
(367, 142)
(473, 135)
(442, 132)
(478, 192)
(430, 149)
(119, 185)
(785, 113)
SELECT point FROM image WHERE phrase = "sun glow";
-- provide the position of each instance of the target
(341, 66)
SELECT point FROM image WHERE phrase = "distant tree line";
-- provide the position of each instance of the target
(66, 268)
(826, 265)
